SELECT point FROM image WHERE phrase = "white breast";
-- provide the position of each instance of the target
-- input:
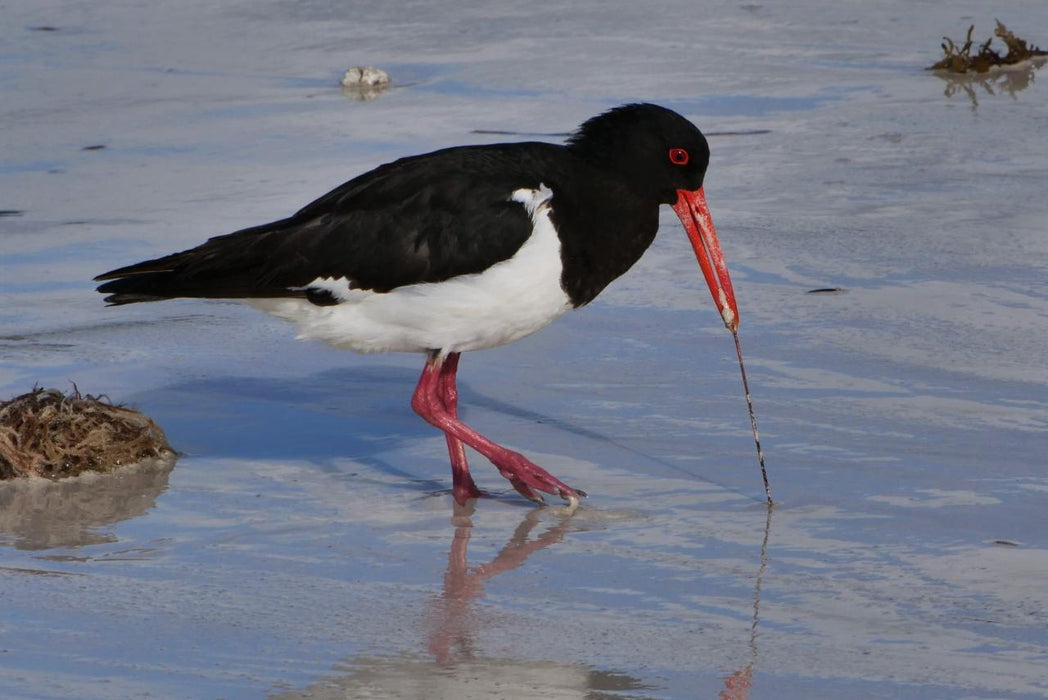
(505, 302)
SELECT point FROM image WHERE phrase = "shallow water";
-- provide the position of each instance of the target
(306, 545)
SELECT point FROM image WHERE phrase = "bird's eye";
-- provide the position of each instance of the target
(678, 156)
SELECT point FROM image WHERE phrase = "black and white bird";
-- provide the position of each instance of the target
(462, 249)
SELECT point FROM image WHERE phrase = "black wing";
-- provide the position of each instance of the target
(421, 219)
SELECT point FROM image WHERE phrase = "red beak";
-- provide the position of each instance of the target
(695, 215)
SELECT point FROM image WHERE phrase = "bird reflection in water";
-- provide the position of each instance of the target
(737, 685)
(457, 668)
(451, 624)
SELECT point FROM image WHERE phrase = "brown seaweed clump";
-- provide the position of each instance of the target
(959, 59)
(50, 434)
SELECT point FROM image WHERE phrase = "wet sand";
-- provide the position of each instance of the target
(306, 543)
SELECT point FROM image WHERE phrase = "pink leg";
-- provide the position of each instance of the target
(462, 483)
(437, 385)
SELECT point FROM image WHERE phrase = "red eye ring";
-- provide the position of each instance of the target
(678, 156)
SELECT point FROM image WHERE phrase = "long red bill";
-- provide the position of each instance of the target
(695, 216)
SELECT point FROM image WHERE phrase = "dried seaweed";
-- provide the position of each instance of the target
(959, 59)
(53, 435)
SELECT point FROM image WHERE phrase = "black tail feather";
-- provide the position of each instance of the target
(225, 267)
(165, 264)
(168, 284)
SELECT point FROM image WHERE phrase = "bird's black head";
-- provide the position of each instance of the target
(654, 149)
(662, 157)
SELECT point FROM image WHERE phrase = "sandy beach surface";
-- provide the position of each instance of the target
(305, 544)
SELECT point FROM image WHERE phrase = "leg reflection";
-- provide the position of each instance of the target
(451, 622)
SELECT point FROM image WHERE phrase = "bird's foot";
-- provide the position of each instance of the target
(529, 479)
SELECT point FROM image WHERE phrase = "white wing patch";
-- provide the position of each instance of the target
(535, 201)
(338, 287)
(509, 300)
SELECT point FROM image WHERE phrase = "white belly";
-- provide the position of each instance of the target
(508, 301)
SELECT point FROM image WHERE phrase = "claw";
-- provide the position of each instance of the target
(524, 489)
(573, 504)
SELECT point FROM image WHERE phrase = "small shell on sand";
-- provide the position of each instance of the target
(49, 434)
(365, 83)
(365, 76)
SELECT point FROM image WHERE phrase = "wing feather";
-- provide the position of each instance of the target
(421, 219)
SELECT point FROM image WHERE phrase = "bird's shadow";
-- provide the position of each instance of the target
(362, 413)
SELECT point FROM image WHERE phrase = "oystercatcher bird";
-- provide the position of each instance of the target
(462, 249)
